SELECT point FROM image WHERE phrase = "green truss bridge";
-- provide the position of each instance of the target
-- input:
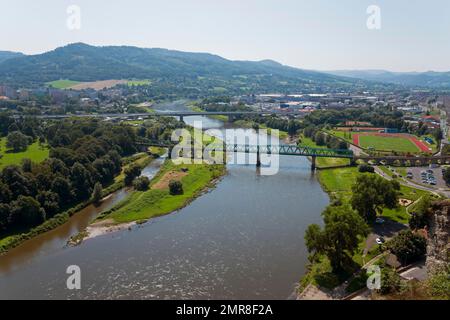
(283, 149)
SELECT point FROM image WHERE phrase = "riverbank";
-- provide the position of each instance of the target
(140, 206)
(13, 240)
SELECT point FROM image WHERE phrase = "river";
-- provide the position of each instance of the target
(241, 240)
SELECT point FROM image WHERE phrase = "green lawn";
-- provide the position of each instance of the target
(35, 152)
(387, 143)
(62, 84)
(155, 202)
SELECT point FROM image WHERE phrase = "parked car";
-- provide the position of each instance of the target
(380, 240)
(379, 220)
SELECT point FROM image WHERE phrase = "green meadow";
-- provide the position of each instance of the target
(62, 84)
(143, 205)
(35, 152)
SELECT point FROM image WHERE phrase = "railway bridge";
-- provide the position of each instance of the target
(306, 151)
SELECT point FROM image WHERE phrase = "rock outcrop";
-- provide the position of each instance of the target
(438, 246)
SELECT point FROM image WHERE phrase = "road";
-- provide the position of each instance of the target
(166, 114)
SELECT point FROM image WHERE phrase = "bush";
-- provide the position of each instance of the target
(131, 173)
(141, 183)
(366, 168)
(175, 187)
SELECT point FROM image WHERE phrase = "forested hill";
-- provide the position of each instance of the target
(414, 79)
(82, 62)
(5, 55)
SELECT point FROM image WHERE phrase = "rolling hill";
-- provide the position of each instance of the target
(5, 55)
(82, 62)
(415, 79)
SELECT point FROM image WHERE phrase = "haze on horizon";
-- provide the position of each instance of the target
(319, 35)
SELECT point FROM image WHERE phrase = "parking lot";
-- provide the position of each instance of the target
(434, 175)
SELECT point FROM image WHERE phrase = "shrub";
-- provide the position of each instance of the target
(175, 187)
(141, 183)
(366, 168)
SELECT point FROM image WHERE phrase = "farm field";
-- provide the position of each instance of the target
(35, 152)
(96, 85)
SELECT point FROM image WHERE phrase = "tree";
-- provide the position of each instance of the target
(319, 139)
(17, 141)
(419, 217)
(408, 246)
(131, 173)
(97, 193)
(339, 239)
(446, 175)
(371, 193)
(437, 134)
(175, 187)
(81, 181)
(26, 211)
(366, 168)
(141, 183)
(61, 186)
(390, 281)
(4, 216)
(49, 201)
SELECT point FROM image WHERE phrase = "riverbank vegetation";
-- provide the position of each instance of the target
(352, 192)
(83, 153)
(158, 200)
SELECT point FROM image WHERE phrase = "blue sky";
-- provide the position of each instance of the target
(315, 34)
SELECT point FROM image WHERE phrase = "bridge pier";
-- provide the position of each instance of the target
(181, 119)
(258, 158)
(313, 163)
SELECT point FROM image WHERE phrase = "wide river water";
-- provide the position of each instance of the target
(241, 240)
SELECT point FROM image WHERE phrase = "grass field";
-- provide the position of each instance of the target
(403, 144)
(35, 152)
(62, 84)
(387, 143)
(338, 183)
(143, 205)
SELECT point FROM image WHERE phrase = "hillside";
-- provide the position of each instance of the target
(416, 79)
(5, 55)
(82, 62)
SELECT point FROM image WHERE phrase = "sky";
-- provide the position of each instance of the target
(413, 35)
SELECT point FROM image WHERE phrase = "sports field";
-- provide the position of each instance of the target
(390, 142)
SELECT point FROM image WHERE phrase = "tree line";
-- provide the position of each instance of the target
(85, 156)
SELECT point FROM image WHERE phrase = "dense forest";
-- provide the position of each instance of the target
(83, 154)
